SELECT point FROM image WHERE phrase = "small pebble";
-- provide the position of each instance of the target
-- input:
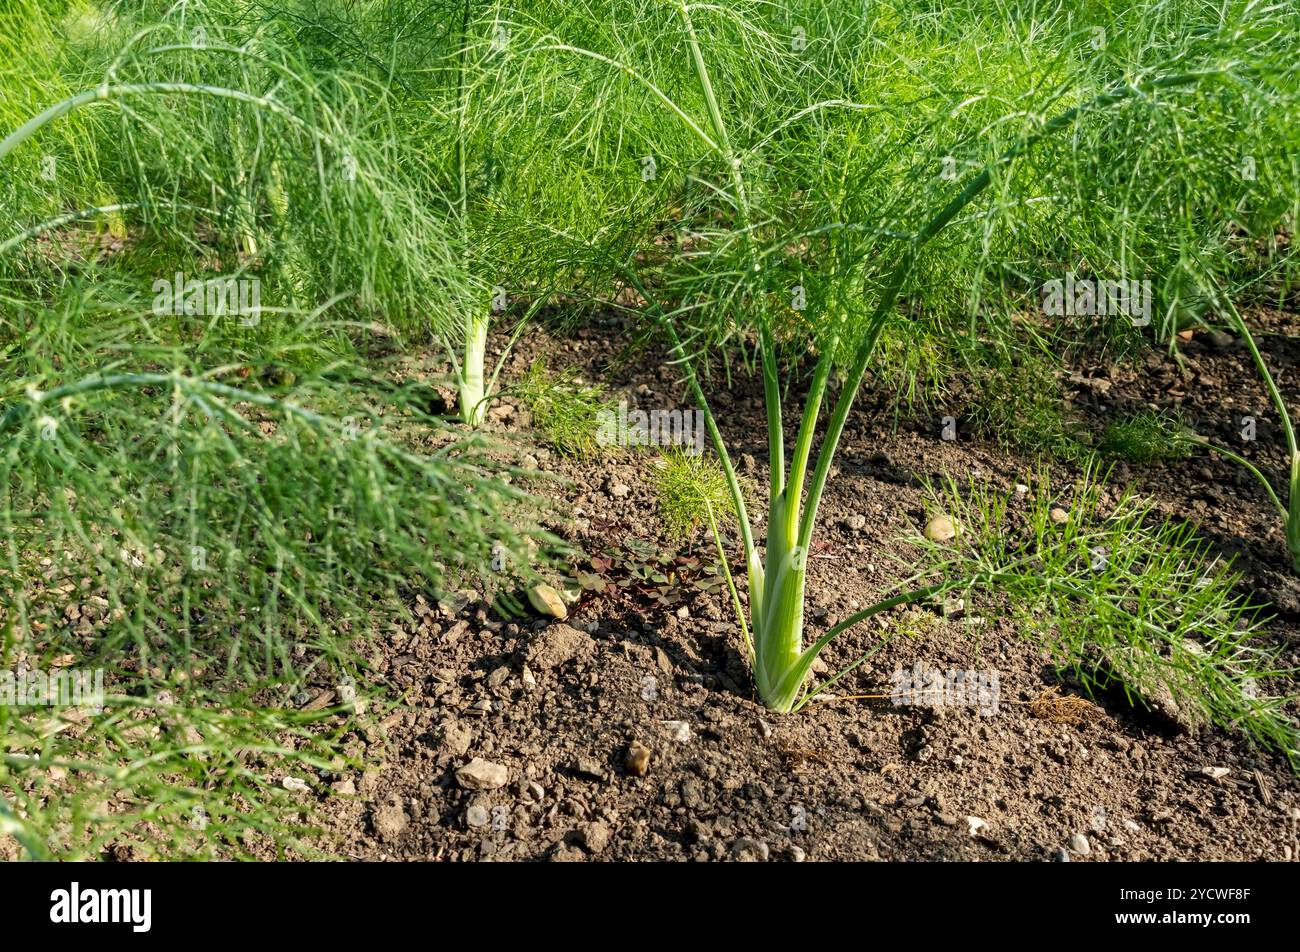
(638, 759)
(940, 529)
(589, 767)
(481, 774)
(547, 601)
(749, 850)
(679, 731)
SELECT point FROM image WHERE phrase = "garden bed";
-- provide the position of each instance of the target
(844, 779)
(964, 522)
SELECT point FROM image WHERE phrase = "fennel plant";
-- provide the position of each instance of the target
(517, 199)
(226, 505)
(780, 655)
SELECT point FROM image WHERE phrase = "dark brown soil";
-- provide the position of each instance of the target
(847, 778)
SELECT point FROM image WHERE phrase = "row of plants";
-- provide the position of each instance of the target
(828, 190)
